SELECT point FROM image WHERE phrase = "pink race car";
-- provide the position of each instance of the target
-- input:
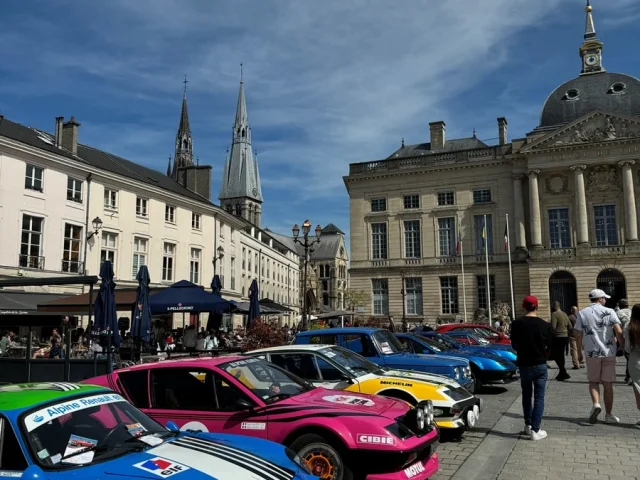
(338, 436)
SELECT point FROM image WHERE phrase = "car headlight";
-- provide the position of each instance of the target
(428, 412)
(293, 456)
(420, 420)
(457, 373)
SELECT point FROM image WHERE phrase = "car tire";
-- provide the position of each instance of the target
(477, 383)
(321, 457)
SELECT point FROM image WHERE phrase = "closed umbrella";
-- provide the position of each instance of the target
(215, 316)
(106, 317)
(141, 314)
(254, 303)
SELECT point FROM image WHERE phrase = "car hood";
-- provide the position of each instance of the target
(396, 375)
(407, 359)
(470, 354)
(486, 348)
(202, 456)
(345, 402)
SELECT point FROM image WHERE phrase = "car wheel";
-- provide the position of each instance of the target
(477, 383)
(323, 460)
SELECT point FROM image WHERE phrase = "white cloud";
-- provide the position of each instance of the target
(328, 83)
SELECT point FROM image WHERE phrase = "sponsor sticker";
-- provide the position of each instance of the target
(77, 444)
(42, 454)
(386, 349)
(349, 400)
(44, 415)
(9, 474)
(151, 440)
(253, 426)
(397, 384)
(135, 429)
(413, 470)
(375, 439)
(240, 363)
(194, 427)
(161, 467)
(56, 458)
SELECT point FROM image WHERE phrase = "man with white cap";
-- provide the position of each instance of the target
(596, 329)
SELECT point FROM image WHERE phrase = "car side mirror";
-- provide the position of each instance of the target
(243, 404)
(172, 427)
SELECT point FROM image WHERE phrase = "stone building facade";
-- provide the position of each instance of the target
(569, 189)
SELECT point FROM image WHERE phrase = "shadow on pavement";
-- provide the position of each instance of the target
(492, 389)
(583, 422)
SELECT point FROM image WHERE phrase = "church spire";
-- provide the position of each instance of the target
(241, 190)
(591, 49)
(184, 143)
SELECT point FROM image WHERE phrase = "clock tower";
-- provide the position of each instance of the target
(591, 48)
(241, 189)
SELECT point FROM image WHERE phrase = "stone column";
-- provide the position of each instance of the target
(534, 206)
(518, 210)
(582, 219)
(631, 217)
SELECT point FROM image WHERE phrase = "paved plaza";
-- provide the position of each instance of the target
(575, 449)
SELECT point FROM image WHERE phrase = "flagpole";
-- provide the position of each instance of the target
(464, 290)
(486, 258)
(513, 302)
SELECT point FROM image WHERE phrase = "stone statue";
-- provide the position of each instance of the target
(578, 137)
(610, 130)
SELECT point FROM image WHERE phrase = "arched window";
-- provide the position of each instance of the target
(562, 288)
(184, 144)
(613, 283)
(243, 133)
(238, 209)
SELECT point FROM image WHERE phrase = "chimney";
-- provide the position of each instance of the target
(58, 132)
(69, 135)
(196, 178)
(437, 135)
(502, 130)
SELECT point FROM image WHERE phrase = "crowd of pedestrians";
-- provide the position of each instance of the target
(595, 336)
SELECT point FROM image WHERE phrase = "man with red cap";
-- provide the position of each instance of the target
(532, 338)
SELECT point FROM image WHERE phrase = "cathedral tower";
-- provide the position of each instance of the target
(183, 156)
(240, 190)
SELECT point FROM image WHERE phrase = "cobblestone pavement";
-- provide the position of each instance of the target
(574, 448)
(453, 453)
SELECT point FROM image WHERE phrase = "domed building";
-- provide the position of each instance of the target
(436, 225)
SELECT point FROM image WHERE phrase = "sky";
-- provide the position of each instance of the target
(327, 83)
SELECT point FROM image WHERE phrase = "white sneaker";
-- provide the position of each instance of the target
(527, 430)
(539, 435)
(610, 418)
(593, 416)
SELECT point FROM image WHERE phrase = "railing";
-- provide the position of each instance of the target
(432, 261)
(431, 160)
(70, 266)
(608, 250)
(31, 261)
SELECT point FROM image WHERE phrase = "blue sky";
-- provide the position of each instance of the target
(328, 83)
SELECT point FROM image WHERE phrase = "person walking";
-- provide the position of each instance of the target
(597, 328)
(632, 347)
(532, 339)
(624, 314)
(561, 330)
(576, 355)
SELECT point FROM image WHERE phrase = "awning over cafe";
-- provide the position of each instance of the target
(79, 304)
(20, 300)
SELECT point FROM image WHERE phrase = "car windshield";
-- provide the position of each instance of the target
(355, 364)
(475, 339)
(387, 343)
(439, 343)
(266, 380)
(88, 429)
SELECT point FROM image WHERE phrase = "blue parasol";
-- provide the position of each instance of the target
(254, 303)
(141, 313)
(105, 314)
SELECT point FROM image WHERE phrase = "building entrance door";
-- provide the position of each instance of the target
(562, 288)
(613, 283)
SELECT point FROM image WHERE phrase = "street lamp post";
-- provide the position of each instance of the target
(219, 256)
(307, 243)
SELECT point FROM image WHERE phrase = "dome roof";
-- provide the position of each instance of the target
(612, 92)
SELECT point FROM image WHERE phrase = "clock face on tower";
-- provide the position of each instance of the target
(255, 191)
(591, 59)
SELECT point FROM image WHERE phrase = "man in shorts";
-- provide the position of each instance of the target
(596, 330)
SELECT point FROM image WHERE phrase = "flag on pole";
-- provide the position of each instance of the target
(459, 242)
(506, 238)
(484, 236)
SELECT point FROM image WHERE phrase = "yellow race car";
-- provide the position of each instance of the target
(334, 367)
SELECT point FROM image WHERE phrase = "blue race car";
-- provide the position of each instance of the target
(472, 343)
(485, 367)
(68, 431)
(383, 348)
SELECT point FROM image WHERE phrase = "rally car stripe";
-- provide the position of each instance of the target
(257, 468)
(234, 452)
(214, 466)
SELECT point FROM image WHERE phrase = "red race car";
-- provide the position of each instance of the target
(483, 331)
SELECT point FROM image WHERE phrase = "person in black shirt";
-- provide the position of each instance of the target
(531, 338)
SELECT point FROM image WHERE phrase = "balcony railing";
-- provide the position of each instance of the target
(432, 261)
(608, 250)
(491, 153)
(31, 261)
(70, 266)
